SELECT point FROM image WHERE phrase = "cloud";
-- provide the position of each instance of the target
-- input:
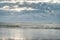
(30, 1)
(29, 11)
(16, 8)
(7, 1)
(55, 1)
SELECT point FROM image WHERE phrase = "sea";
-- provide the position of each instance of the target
(29, 34)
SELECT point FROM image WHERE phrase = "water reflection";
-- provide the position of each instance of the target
(29, 34)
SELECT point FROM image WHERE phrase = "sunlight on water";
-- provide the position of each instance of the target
(29, 34)
(11, 33)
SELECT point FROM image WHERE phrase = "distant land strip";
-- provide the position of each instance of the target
(29, 27)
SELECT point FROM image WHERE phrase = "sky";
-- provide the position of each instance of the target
(30, 11)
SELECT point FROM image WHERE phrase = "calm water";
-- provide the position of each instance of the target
(29, 34)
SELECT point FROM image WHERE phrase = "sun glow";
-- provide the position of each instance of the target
(16, 8)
